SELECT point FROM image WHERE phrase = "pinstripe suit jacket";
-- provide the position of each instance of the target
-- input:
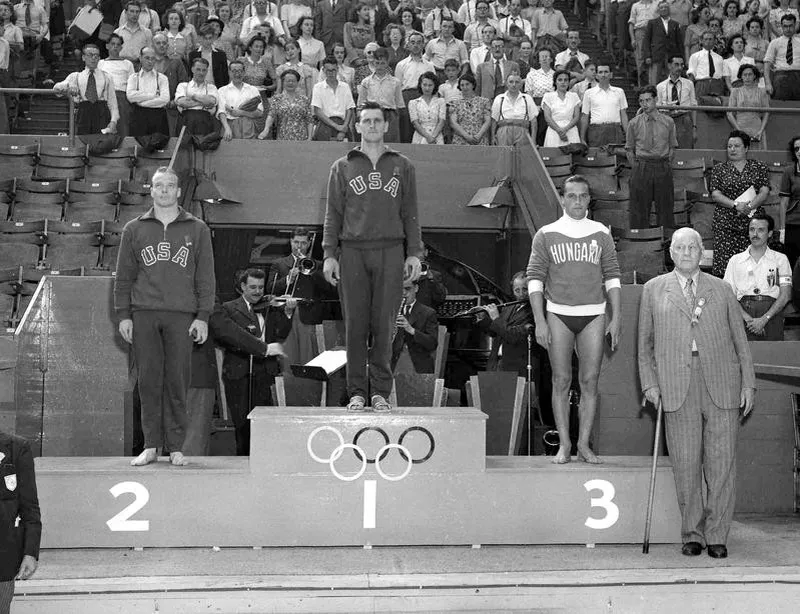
(665, 341)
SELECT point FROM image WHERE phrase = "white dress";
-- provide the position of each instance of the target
(562, 112)
(428, 115)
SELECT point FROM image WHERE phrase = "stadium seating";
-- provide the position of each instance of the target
(36, 200)
(147, 163)
(134, 200)
(640, 252)
(116, 164)
(612, 208)
(61, 162)
(109, 246)
(71, 245)
(600, 170)
(89, 201)
(20, 243)
(17, 160)
(689, 174)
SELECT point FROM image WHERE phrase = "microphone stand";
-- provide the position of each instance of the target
(530, 330)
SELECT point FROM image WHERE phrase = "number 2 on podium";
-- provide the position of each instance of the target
(122, 521)
(606, 501)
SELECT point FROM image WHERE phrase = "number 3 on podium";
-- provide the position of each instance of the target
(605, 501)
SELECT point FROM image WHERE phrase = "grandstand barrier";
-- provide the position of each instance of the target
(52, 93)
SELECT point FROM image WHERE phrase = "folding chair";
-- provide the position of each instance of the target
(89, 201)
(116, 164)
(702, 215)
(134, 199)
(689, 174)
(557, 164)
(20, 243)
(640, 253)
(111, 233)
(500, 395)
(775, 176)
(612, 208)
(417, 390)
(146, 163)
(6, 197)
(72, 244)
(36, 200)
(61, 162)
(18, 160)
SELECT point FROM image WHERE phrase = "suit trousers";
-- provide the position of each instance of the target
(651, 181)
(406, 129)
(684, 130)
(236, 393)
(200, 405)
(6, 595)
(702, 446)
(773, 331)
(638, 53)
(371, 288)
(163, 350)
(657, 72)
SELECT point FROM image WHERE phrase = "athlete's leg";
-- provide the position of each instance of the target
(562, 343)
(590, 357)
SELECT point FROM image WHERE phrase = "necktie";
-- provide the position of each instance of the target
(488, 55)
(789, 51)
(675, 96)
(91, 88)
(407, 311)
(28, 17)
(688, 293)
(498, 74)
(710, 66)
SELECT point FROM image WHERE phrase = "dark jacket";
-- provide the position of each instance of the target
(18, 497)
(165, 270)
(658, 44)
(511, 331)
(329, 23)
(313, 287)
(422, 344)
(237, 360)
(219, 62)
(432, 291)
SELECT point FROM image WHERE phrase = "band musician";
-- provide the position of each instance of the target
(301, 276)
(432, 291)
(417, 330)
(248, 378)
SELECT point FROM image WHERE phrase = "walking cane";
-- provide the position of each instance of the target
(250, 386)
(649, 519)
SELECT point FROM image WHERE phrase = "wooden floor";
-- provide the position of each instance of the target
(762, 574)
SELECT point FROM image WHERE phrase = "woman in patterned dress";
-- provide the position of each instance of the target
(357, 33)
(750, 95)
(729, 183)
(470, 117)
(259, 72)
(428, 112)
(228, 40)
(308, 75)
(291, 111)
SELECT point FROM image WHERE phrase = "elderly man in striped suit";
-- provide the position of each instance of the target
(694, 359)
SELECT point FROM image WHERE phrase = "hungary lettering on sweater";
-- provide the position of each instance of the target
(577, 251)
(374, 181)
(162, 252)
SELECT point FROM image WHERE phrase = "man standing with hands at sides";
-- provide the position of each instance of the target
(163, 295)
(372, 244)
(20, 519)
(573, 264)
(694, 359)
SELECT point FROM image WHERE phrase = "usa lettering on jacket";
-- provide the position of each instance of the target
(576, 251)
(374, 182)
(163, 251)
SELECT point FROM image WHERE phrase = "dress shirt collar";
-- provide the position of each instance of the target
(682, 279)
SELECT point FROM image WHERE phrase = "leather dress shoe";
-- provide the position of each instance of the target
(691, 549)
(718, 551)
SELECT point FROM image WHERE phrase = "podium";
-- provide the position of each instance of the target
(328, 477)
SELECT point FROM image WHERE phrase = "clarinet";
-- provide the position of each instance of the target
(399, 313)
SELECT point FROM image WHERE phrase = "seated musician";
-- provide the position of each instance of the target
(432, 291)
(301, 276)
(417, 330)
(511, 328)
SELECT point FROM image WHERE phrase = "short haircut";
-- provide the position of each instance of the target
(299, 231)
(121, 41)
(370, 105)
(290, 71)
(698, 239)
(743, 67)
(518, 275)
(486, 2)
(648, 89)
(239, 62)
(467, 77)
(500, 39)
(134, 4)
(146, 48)
(589, 63)
(164, 170)
(430, 76)
(789, 17)
(678, 56)
(451, 63)
(329, 59)
(381, 53)
(202, 61)
(738, 134)
(90, 46)
(792, 152)
(766, 217)
(575, 179)
(252, 272)
(717, 19)
(206, 29)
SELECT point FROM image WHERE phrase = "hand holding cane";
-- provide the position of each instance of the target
(650, 496)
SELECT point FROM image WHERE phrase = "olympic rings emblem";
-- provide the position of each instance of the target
(361, 455)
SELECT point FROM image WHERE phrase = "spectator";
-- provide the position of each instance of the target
(148, 94)
(449, 89)
(148, 18)
(604, 118)
(662, 40)
(679, 91)
(716, 8)
(408, 72)
(619, 11)
(731, 21)
(540, 80)
(259, 71)
(119, 70)
(330, 17)
(134, 37)
(357, 33)
(417, 329)
(345, 74)
(473, 34)
(761, 279)
(705, 69)
(428, 112)
(8, 28)
(197, 100)
(445, 47)
(562, 113)
(680, 11)
(491, 75)
(751, 10)
(394, 39)
(750, 95)
(739, 187)
(364, 68)
(179, 43)
(514, 28)
(650, 145)
(790, 205)
(469, 13)
(387, 12)
(731, 64)
(776, 15)
(174, 70)
(409, 21)
(265, 16)
(642, 12)
(308, 75)
(312, 51)
(290, 111)
(693, 36)
(524, 57)
(432, 27)
(240, 105)
(589, 79)
(755, 43)
(471, 116)
(95, 95)
(292, 11)
(228, 38)
(217, 73)
(384, 89)
(782, 76)
(572, 59)
(332, 103)
(720, 42)
(513, 114)
(502, 8)
(483, 52)
(548, 28)
(188, 30)
(432, 290)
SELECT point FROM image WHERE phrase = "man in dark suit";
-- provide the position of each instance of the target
(310, 289)
(694, 359)
(662, 40)
(417, 330)
(271, 327)
(20, 520)
(329, 19)
(486, 76)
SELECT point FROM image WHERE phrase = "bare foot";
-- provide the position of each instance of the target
(562, 458)
(177, 459)
(149, 455)
(587, 456)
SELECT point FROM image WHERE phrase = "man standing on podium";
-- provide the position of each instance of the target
(372, 244)
(694, 359)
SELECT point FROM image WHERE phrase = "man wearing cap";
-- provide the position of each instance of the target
(148, 93)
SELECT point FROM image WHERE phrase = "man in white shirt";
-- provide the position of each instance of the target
(5, 58)
(432, 27)
(238, 122)
(513, 114)
(705, 69)
(641, 13)
(473, 34)
(333, 104)
(134, 36)
(548, 28)
(761, 279)
(197, 100)
(604, 119)
(482, 53)
(33, 18)
(94, 91)
(264, 15)
(445, 47)
(782, 62)
(468, 12)
(679, 91)
(513, 27)
(148, 93)
(408, 71)
(572, 58)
